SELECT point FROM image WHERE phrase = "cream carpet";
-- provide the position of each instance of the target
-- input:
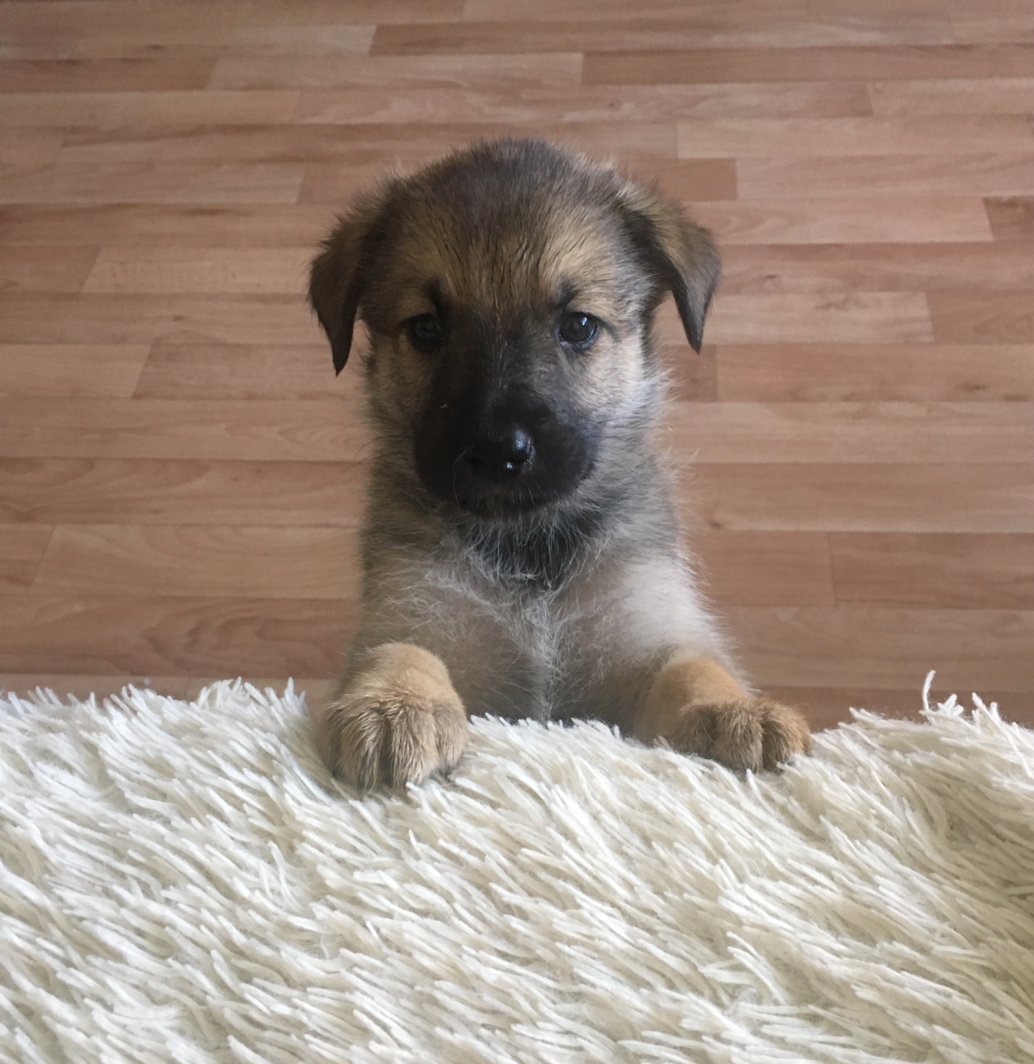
(184, 883)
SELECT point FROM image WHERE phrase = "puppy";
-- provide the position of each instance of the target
(520, 549)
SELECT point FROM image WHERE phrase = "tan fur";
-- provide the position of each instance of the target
(699, 707)
(396, 721)
(563, 592)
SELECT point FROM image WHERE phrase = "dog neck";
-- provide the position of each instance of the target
(540, 553)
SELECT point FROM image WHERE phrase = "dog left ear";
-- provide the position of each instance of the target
(336, 276)
(681, 253)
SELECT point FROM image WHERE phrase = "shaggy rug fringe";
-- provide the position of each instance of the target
(185, 883)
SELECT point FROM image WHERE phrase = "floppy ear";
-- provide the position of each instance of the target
(337, 276)
(681, 253)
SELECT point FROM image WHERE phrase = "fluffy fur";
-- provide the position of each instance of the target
(186, 884)
(559, 589)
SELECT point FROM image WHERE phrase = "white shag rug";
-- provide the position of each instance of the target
(185, 883)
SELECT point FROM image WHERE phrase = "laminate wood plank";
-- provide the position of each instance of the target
(162, 270)
(151, 183)
(257, 430)
(63, 370)
(237, 371)
(101, 17)
(80, 687)
(821, 138)
(104, 75)
(399, 73)
(31, 46)
(876, 646)
(274, 142)
(992, 21)
(200, 560)
(179, 492)
(984, 96)
(419, 140)
(834, 269)
(857, 63)
(962, 316)
(46, 269)
(600, 105)
(697, 179)
(986, 174)
(862, 317)
(128, 42)
(700, 180)
(829, 373)
(765, 568)
(942, 571)
(972, 433)
(857, 497)
(764, 27)
(1012, 218)
(28, 150)
(848, 219)
(172, 636)
(234, 225)
(146, 109)
(732, 13)
(21, 551)
(145, 319)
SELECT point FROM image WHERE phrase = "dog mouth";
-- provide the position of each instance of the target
(501, 500)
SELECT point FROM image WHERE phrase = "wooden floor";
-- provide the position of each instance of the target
(181, 473)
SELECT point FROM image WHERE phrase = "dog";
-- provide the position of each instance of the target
(521, 554)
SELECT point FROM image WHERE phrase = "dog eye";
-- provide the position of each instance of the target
(577, 329)
(425, 333)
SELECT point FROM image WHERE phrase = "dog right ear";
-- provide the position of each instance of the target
(682, 254)
(336, 275)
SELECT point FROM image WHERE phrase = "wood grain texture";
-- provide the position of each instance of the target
(147, 225)
(65, 371)
(104, 75)
(821, 138)
(135, 319)
(839, 269)
(853, 373)
(971, 572)
(918, 176)
(228, 429)
(179, 492)
(21, 551)
(961, 316)
(862, 497)
(876, 646)
(858, 63)
(239, 371)
(142, 110)
(181, 474)
(200, 560)
(1011, 218)
(718, 28)
(842, 432)
(171, 636)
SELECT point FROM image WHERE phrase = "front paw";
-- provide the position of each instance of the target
(398, 720)
(747, 733)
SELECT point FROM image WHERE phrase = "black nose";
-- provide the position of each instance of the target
(501, 457)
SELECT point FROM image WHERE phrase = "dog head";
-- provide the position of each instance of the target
(508, 291)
